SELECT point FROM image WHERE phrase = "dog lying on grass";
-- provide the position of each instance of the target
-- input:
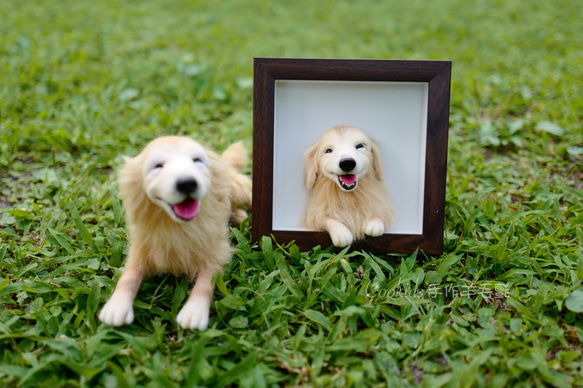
(344, 177)
(178, 199)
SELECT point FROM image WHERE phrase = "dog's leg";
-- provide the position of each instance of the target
(238, 216)
(195, 313)
(240, 189)
(120, 307)
(339, 233)
(240, 195)
(374, 227)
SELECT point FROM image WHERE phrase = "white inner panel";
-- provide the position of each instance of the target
(393, 113)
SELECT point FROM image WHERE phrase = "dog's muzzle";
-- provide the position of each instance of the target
(188, 209)
(347, 182)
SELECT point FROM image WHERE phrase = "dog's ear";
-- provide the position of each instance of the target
(129, 179)
(377, 166)
(311, 166)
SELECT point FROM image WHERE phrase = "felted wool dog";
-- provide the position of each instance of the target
(344, 177)
(178, 199)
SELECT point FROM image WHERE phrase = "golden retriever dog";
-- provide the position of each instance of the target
(344, 177)
(178, 199)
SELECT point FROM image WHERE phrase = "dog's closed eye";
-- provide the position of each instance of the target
(153, 167)
(200, 162)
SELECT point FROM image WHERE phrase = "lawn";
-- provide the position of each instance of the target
(84, 83)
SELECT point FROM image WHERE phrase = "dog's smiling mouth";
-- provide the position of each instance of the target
(347, 182)
(186, 210)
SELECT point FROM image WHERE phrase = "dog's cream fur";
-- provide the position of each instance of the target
(163, 242)
(347, 208)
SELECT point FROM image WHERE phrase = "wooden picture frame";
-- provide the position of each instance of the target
(299, 99)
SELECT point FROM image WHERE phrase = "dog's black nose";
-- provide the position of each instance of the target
(186, 186)
(347, 164)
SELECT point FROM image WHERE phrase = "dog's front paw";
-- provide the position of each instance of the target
(341, 236)
(194, 314)
(117, 311)
(374, 228)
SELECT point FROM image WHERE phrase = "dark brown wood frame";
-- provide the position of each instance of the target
(436, 73)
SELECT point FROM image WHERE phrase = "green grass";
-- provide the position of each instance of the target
(83, 83)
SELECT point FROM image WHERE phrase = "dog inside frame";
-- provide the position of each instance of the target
(347, 196)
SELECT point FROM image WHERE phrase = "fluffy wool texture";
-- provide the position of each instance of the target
(353, 209)
(326, 199)
(159, 244)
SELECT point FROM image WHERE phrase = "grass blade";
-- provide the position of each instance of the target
(82, 230)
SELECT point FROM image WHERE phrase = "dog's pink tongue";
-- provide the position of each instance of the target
(348, 179)
(187, 209)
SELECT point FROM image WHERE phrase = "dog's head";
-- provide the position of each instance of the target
(344, 154)
(175, 175)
